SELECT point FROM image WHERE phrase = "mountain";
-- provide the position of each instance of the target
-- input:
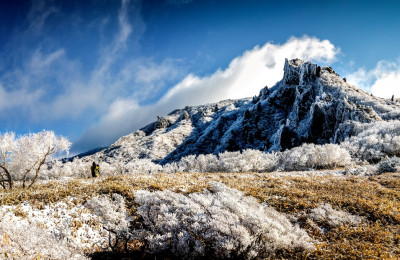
(311, 104)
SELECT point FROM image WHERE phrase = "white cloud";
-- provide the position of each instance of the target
(248, 73)
(244, 77)
(387, 85)
(382, 81)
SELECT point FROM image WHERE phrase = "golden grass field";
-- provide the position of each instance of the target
(375, 198)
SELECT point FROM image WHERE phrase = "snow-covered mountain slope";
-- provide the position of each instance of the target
(309, 105)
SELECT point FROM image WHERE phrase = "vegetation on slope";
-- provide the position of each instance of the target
(375, 199)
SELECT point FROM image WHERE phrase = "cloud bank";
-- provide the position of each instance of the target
(243, 77)
(382, 81)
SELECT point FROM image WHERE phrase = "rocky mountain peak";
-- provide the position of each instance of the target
(311, 104)
(298, 72)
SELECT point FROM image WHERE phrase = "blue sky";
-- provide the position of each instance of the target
(96, 70)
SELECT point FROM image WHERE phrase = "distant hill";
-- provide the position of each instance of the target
(311, 104)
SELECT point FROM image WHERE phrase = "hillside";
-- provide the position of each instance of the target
(344, 217)
(309, 105)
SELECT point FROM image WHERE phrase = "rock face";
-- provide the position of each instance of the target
(309, 105)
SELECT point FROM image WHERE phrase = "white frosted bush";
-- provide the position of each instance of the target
(95, 226)
(171, 167)
(375, 141)
(232, 162)
(218, 223)
(248, 160)
(76, 168)
(206, 163)
(193, 163)
(22, 240)
(389, 165)
(311, 156)
(141, 166)
(112, 212)
(334, 218)
(361, 170)
(137, 166)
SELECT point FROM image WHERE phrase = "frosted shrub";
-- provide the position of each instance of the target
(200, 163)
(107, 169)
(206, 163)
(389, 165)
(26, 241)
(136, 166)
(361, 170)
(140, 166)
(218, 223)
(76, 168)
(232, 162)
(113, 217)
(311, 156)
(305, 157)
(257, 161)
(171, 167)
(375, 141)
(325, 214)
(112, 212)
(248, 160)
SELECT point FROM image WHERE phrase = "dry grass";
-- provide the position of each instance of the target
(377, 199)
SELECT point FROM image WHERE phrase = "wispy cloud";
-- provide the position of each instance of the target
(52, 83)
(244, 76)
(125, 27)
(10, 99)
(38, 15)
(39, 62)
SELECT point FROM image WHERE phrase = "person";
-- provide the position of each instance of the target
(95, 169)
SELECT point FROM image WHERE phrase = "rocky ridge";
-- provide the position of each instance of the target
(311, 104)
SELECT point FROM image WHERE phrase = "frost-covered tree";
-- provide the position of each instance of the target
(22, 158)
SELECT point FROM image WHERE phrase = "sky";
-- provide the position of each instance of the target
(95, 70)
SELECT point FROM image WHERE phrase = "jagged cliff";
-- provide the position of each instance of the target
(309, 105)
